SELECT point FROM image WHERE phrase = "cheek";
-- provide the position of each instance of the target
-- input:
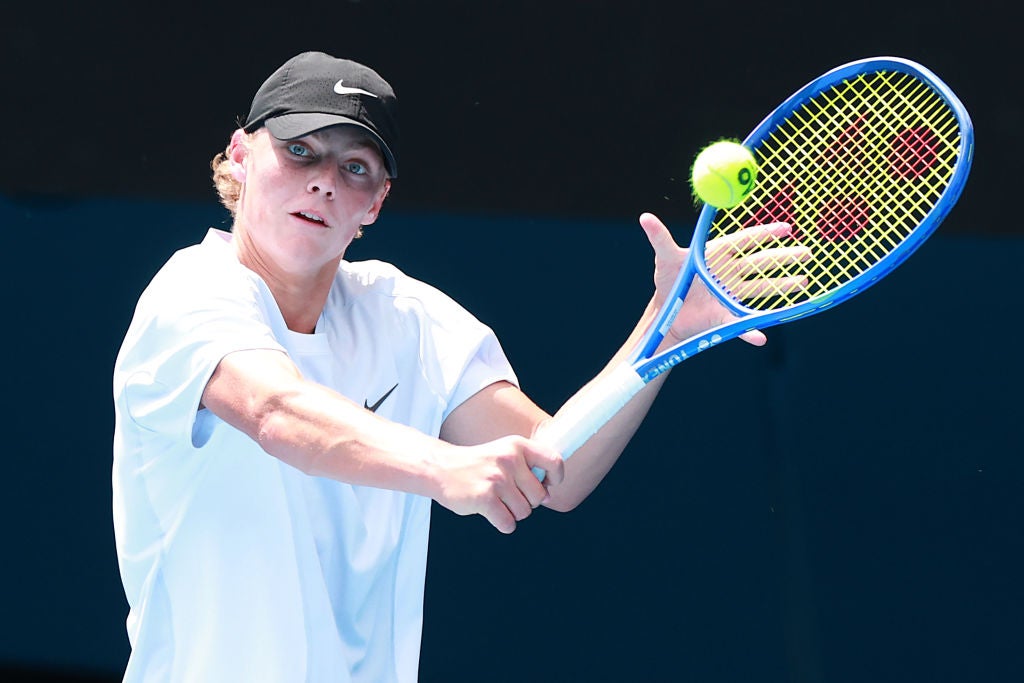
(363, 197)
(263, 189)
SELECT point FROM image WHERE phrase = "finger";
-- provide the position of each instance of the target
(658, 234)
(741, 240)
(776, 257)
(532, 489)
(761, 263)
(755, 337)
(547, 459)
(517, 504)
(500, 517)
(759, 288)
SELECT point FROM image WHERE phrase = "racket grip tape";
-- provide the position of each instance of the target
(588, 411)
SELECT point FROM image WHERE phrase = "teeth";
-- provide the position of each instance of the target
(312, 217)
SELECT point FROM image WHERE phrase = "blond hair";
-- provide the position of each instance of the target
(229, 189)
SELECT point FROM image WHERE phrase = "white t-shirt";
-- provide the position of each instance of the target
(238, 567)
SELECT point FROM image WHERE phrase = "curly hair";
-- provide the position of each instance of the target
(229, 189)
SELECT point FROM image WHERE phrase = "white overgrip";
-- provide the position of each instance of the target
(588, 411)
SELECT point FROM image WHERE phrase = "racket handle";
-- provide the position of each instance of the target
(588, 411)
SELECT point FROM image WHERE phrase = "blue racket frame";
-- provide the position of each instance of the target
(589, 410)
(760, 319)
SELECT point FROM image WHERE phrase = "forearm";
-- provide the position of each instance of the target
(322, 433)
(326, 435)
(594, 458)
(317, 430)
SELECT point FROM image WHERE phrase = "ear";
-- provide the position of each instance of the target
(237, 152)
(374, 212)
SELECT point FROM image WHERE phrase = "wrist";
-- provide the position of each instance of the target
(433, 467)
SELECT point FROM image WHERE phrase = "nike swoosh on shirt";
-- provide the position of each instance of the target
(345, 90)
(373, 408)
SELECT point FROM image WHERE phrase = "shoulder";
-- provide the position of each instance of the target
(374, 283)
(201, 287)
(209, 269)
(378, 277)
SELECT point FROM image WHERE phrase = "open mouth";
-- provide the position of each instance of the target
(310, 217)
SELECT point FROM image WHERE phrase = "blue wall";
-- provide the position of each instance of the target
(843, 504)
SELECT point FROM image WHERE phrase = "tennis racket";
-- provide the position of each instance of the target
(863, 162)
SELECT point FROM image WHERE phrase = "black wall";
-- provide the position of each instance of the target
(583, 109)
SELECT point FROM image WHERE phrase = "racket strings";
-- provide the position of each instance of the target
(854, 171)
(851, 152)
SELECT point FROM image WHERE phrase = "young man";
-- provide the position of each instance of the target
(284, 417)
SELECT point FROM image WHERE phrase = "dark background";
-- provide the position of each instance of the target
(842, 505)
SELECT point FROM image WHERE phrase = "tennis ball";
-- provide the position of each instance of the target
(723, 174)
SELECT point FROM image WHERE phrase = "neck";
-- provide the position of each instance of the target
(300, 305)
(300, 296)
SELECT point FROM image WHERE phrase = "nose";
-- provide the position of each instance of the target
(322, 182)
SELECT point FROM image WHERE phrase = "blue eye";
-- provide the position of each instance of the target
(298, 150)
(356, 168)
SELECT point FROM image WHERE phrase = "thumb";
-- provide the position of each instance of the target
(657, 234)
(542, 457)
(755, 337)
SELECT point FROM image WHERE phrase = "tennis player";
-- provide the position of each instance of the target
(285, 417)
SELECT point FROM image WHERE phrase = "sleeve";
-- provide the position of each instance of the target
(485, 365)
(459, 354)
(186, 321)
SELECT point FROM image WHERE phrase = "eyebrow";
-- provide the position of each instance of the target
(362, 141)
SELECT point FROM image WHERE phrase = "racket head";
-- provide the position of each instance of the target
(864, 162)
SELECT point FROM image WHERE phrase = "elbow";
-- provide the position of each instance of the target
(563, 501)
(561, 507)
(269, 429)
(275, 431)
(576, 486)
(267, 418)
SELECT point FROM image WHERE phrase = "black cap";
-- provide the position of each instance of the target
(314, 90)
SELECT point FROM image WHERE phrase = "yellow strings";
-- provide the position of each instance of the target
(854, 170)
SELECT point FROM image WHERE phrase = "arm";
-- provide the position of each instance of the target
(322, 433)
(503, 409)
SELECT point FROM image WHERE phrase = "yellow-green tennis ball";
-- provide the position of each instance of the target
(723, 174)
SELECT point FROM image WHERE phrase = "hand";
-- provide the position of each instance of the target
(495, 479)
(701, 310)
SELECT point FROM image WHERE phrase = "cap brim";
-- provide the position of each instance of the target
(291, 126)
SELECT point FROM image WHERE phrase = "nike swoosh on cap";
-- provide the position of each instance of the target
(373, 408)
(345, 90)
